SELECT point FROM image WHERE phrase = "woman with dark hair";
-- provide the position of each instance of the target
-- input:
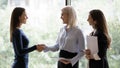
(97, 20)
(19, 40)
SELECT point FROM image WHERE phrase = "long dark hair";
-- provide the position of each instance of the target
(15, 22)
(101, 23)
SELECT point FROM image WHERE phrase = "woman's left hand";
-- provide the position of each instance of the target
(64, 61)
(89, 57)
(87, 52)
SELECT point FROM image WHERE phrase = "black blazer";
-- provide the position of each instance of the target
(102, 46)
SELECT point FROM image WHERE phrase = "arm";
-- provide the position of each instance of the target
(55, 47)
(81, 46)
(102, 45)
(52, 48)
(18, 44)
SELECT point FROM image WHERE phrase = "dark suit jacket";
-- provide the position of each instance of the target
(102, 46)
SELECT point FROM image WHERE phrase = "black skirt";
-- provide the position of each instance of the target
(67, 55)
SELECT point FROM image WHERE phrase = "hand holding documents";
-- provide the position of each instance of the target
(92, 44)
(60, 58)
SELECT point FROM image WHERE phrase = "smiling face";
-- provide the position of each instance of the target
(64, 17)
(23, 18)
(91, 21)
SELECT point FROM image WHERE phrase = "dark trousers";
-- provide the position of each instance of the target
(68, 55)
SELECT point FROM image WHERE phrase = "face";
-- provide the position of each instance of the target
(91, 21)
(64, 17)
(23, 18)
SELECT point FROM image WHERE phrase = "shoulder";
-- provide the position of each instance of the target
(101, 34)
(62, 28)
(78, 30)
(17, 31)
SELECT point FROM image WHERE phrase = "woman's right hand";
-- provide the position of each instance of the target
(87, 52)
(40, 47)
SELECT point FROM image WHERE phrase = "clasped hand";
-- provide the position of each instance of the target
(40, 47)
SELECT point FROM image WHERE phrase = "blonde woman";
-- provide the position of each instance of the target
(70, 40)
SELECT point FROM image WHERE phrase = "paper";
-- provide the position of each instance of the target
(59, 58)
(92, 44)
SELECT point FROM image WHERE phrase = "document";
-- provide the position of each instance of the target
(92, 44)
(59, 58)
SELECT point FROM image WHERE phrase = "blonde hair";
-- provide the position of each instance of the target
(71, 15)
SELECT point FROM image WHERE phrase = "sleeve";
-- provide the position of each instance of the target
(102, 45)
(52, 48)
(18, 44)
(56, 46)
(81, 46)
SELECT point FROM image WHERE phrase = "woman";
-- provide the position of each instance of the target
(19, 40)
(97, 20)
(70, 41)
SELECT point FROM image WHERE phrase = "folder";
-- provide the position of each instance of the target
(92, 44)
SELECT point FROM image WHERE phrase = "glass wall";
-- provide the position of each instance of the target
(43, 25)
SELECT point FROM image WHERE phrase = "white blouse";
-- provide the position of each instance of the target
(72, 41)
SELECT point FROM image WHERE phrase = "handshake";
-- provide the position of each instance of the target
(40, 47)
